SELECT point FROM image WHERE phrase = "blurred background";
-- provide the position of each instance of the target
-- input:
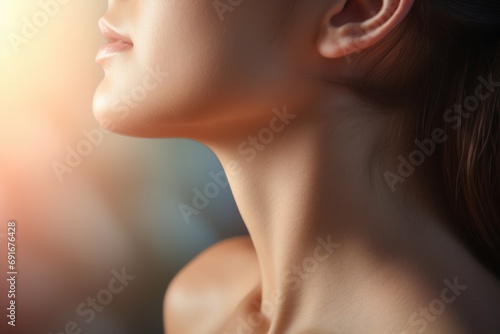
(88, 211)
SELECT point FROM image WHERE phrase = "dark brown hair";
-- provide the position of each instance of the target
(434, 63)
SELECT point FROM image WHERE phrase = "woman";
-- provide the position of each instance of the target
(361, 142)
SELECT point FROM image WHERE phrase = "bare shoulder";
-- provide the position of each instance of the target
(206, 291)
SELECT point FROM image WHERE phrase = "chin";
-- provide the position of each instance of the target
(153, 103)
(114, 117)
(144, 120)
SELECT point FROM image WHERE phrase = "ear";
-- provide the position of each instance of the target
(354, 25)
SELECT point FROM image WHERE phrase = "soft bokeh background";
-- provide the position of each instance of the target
(118, 208)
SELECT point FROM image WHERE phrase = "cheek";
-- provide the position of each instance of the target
(182, 41)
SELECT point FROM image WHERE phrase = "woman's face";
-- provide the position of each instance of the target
(197, 66)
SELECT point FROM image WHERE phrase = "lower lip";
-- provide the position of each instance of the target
(108, 50)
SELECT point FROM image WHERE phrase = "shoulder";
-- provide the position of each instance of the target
(210, 287)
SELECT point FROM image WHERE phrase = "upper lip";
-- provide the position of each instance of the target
(112, 35)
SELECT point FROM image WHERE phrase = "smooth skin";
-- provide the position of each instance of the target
(386, 255)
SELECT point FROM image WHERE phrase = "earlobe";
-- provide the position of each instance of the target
(361, 26)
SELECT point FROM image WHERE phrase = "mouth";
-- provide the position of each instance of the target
(117, 43)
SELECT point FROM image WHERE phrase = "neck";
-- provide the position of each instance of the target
(316, 213)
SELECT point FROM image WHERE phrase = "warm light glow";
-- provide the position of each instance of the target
(11, 15)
